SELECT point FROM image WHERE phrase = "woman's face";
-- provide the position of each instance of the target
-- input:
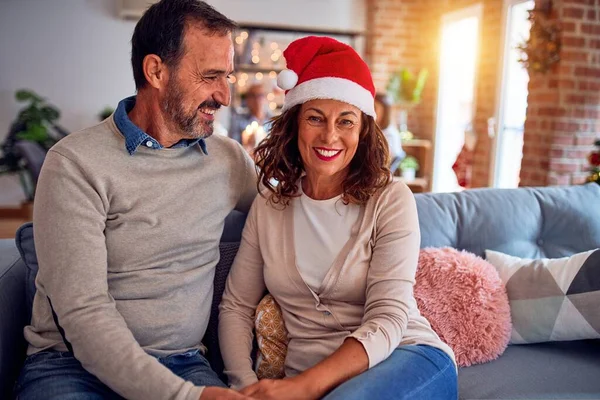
(328, 136)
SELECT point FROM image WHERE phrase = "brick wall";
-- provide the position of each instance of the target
(563, 116)
(394, 41)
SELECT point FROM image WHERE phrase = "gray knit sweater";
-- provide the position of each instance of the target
(127, 247)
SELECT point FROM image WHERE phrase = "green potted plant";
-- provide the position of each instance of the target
(32, 133)
(409, 167)
(37, 120)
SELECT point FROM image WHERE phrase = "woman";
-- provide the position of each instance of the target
(336, 244)
(383, 108)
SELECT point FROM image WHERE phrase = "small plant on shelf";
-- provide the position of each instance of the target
(409, 167)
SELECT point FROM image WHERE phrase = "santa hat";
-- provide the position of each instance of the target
(323, 68)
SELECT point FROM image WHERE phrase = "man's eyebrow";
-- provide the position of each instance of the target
(216, 72)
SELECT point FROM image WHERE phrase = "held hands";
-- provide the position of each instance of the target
(295, 388)
(217, 393)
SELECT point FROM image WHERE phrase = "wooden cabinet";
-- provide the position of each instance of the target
(421, 149)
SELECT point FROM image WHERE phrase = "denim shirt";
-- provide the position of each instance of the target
(135, 137)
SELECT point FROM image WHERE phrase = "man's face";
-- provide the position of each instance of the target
(197, 87)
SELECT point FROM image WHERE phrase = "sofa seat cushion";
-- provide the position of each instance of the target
(553, 370)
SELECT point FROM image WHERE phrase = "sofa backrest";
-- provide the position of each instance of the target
(549, 222)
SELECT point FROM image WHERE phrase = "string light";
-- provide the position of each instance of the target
(255, 59)
(244, 77)
(239, 40)
(274, 45)
(244, 35)
(232, 79)
(272, 105)
(259, 76)
(273, 75)
(270, 96)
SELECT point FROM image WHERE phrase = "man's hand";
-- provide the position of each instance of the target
(217, 393)
(288, 389)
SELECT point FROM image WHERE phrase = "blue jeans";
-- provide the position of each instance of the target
(410, 372)
(57, 375)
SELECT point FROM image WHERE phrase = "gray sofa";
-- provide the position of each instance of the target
(543, 222)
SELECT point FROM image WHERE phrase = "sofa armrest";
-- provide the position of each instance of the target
(13, 315)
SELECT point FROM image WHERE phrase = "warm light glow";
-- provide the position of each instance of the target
(270, 96)
(274, 57)
(244, 35)
(274, 45)
(258, 76)
(244, 77)
(239, 40)
(273, 75)
(254, 52)
(241, 83)
(255, 59)
(232, 79)
(272, 105)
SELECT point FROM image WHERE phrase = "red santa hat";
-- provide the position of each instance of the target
(323, 68)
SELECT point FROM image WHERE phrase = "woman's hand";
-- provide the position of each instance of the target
(294, 388)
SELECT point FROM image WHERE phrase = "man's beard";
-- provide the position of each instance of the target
(190, 123)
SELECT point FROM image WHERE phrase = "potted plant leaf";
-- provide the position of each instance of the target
(105, 113)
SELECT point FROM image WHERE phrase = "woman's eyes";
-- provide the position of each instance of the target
(346, 123)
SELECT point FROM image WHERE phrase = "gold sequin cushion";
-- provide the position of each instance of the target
(272, 338)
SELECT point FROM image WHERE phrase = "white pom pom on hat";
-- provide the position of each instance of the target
(287, 79)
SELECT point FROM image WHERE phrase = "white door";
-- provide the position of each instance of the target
(507, 150)
(456, 93)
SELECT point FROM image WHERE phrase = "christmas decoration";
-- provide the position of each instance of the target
(542, 50)
(594, 160)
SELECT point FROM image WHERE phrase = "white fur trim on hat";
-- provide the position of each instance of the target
(287, 79)
(331, 88)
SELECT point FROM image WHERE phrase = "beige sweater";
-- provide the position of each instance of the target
(367, 293)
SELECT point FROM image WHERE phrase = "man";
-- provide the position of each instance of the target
(127, 220)
(256, 101)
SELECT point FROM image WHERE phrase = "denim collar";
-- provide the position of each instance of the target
(134, 136)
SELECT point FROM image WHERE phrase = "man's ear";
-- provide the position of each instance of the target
(155, 71)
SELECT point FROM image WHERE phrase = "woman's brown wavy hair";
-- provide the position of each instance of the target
(278, 158)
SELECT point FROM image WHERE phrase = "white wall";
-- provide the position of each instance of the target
(73, 52)
(76, 52)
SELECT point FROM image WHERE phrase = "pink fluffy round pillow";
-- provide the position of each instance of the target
(465, 301)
